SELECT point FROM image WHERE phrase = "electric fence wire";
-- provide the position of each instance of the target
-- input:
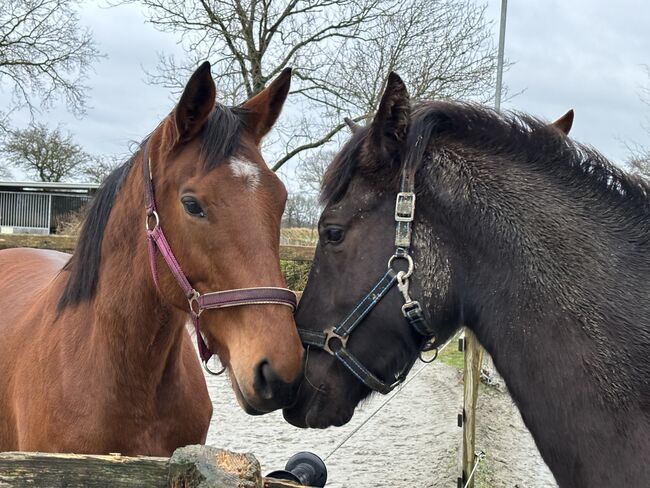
(384, 403)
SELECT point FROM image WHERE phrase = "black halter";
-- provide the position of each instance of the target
(334, 339)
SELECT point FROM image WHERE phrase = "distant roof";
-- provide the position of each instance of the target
(46, 185)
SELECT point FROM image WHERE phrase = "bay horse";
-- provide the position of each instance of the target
(536, 243)
(94, 352)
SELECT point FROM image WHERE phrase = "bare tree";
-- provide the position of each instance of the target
(342, 51)
(310, 172)
(44, 54)
(49, 155)
(639, 159)
(97, 168)
(300, 211)
(5, 172)
(441, 48)
(639, 154)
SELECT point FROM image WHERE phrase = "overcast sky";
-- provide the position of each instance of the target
(580, 54)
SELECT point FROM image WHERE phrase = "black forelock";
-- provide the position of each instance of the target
(221, 135)
(339, 173)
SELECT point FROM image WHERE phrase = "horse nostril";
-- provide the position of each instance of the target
(265, 377)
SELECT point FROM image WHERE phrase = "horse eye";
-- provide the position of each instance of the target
(333, 235)
(192, 207)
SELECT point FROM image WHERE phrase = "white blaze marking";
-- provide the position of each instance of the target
(246, 170)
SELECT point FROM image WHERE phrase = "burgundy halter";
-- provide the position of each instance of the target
(198, 302)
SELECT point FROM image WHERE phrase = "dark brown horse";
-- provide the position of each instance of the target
(96, 359)
(536, 243)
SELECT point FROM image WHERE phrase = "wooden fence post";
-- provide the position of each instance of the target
(472, 376)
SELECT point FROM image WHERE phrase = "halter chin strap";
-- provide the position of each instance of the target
(197, 302)
(334, 339)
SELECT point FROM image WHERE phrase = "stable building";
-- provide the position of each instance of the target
(39, 207)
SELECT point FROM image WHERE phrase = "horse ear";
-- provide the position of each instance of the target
(265, 107)
(564, 123)
(196, 104)
(389, 128)
(354, 127)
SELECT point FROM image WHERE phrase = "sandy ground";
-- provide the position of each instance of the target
(512, 459)
(413, 441)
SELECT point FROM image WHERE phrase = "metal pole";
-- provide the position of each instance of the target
(49, 214)
(502, 41)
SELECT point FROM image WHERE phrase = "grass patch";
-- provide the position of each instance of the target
(452, 356)
(485, 475)
(295, 273)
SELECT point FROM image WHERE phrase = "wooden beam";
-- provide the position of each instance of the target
(67, 244)
(189, 467)
(21, 469)
(472, 376)
(297, 253)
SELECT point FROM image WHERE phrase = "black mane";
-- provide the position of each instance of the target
(515, 136)
(220, 139)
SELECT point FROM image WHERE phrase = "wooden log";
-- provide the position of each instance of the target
(189, 467)
(23, 469)
(472, 376)
(67, 244)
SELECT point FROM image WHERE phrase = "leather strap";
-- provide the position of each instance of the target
(156, 241)
(368, 302)
(248, 296)
(415, 317)
(334, 340)
(345, 328)
(313, 338)
(362, 373)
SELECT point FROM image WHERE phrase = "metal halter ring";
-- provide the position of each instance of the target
(213, 373)
(433, 358)
(330, 334)
(405, 274)
(195, 306)
(148, 217)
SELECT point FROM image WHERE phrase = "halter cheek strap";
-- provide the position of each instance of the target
(197, 302)
(333, 340)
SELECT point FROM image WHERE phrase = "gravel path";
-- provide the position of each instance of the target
(412, 442)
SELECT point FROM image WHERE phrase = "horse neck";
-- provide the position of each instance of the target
(138, 332)
(558, 297)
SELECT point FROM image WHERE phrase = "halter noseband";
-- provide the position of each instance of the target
(333, 340)
(198, 302)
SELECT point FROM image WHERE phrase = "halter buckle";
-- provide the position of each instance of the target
(405, 206)
(409, 306)
(330, 334)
